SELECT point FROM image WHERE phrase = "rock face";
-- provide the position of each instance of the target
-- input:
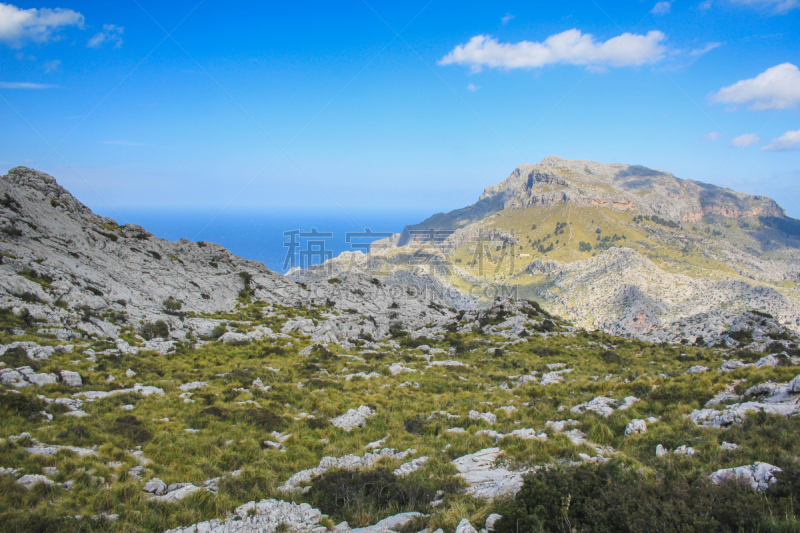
(348, 462)
(353, 418)
(760, 476)
(614, 186)
(485, 478)
(263, 517)
(622, 292)
(81, 274)
(771, 398)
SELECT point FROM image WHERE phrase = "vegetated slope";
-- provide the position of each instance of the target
(505, 410)
(129, 401)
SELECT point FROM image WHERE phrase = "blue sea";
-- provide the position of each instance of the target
(261, 235)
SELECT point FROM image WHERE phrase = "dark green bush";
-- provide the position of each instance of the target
(354, 494)
(151, 330)
(131, 429)
(415, 425)
(171, 304)
(610, 498)
(21, 405)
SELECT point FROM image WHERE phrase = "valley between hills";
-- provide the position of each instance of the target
(589, 347)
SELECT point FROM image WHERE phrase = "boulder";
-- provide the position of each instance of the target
(353, 418)
(29, 480)
(465, 527)
(72, 379)
(155, 486)
(760, 476)
(491, 520)
(635, 427)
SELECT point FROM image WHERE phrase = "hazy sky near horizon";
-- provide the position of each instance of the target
(391, 105)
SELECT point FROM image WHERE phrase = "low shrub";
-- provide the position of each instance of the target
(358, 495)
(131, 428)
(610, 498)
(152, 330)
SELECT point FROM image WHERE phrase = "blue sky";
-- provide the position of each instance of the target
(323, 105)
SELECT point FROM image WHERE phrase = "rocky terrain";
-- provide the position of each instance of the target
(148, 385)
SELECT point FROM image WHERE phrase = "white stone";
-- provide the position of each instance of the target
(353, 418)
(758, 475)
(71, 379)
(635, 427)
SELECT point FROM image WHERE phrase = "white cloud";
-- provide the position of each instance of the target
(110, 34)
(705, 5)
(24, 85)
(776, 88)
(570, 47)
(20, 26)
(744, 140)
(472, 87)
(507, 18)
(707, 48)
(661, 8)
(778, 6)
(788, 141)
(50, 66)
(713, 136)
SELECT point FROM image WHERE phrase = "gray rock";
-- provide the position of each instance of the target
(29, 480)
(348, 462)
(491, 520)
(262, 517)
(353, 418)
(411, 466)
(176, 495)
(72, 379)
(486, 479)
(489, 418)
(760, 476)
(465, 527)
(635, 427)
(155, 486)
(391, 523)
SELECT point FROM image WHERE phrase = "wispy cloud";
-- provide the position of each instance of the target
(50, 66)
(507, 18)
(110, 34)
(19, 27)
(472, 87)
(744, 140)
(569, 47)
(704, 50)
(25, 85)
(661, 8)
(777, 6)
(788, 141)
(713, 136)
(776, 88)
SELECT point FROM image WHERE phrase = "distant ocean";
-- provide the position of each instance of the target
(259, 235)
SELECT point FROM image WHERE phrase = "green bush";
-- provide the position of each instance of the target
(610, 498)
(355, 495)
(152, 330)
(131, 429)
(171, 304)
